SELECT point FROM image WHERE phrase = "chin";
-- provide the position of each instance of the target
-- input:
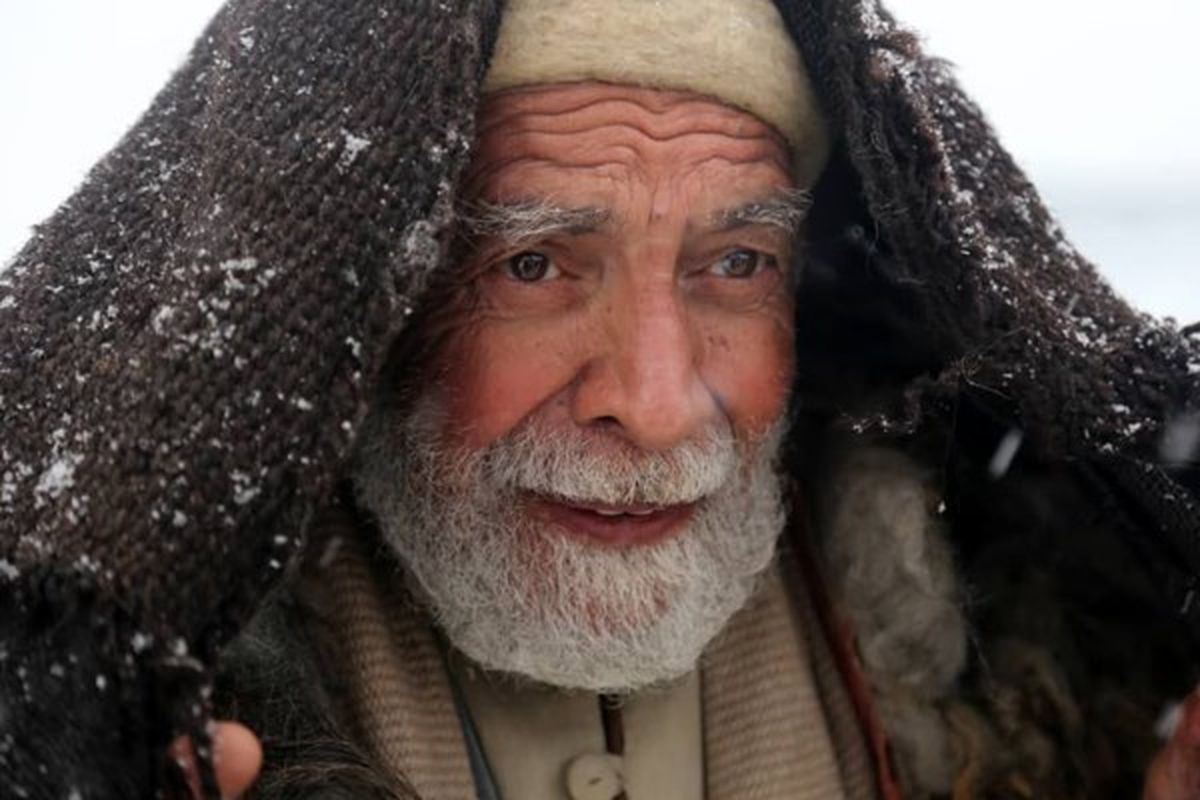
(626, 631)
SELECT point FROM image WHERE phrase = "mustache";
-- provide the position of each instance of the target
(579, 465)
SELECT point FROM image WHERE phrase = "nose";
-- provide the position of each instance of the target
(644, 377)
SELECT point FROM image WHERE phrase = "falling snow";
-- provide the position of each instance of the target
(1168, 721)
(1006, 451)
(1180, 443)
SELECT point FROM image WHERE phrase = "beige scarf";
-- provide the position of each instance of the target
(777, 719)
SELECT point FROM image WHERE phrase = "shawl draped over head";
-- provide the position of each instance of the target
(189, 344)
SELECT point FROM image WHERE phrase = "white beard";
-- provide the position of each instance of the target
(521, 596)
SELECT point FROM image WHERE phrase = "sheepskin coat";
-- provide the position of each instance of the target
(189, 345)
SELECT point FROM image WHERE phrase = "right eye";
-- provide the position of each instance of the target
(530, 266)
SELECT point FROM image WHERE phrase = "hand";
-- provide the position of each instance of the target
(1175, 772)
(237, 758)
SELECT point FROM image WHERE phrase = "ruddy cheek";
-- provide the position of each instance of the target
(750, 369)
(501, 378)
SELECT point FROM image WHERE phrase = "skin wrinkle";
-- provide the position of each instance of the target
(703, 124)
(661, 117)
(753, 143)
(689, 115)
(660, 132)
(476, 181)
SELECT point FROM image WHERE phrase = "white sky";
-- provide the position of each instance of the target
(1097, 100)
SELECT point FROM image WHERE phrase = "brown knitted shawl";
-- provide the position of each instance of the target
(188, 346)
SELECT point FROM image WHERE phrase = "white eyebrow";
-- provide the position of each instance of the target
(528, 220)
(785, 209)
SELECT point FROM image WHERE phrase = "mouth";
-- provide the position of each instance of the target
(614, 525)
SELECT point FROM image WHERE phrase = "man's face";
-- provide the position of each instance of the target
(585, 491)
(657, 303)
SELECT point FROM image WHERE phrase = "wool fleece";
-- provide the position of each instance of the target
(189, 345)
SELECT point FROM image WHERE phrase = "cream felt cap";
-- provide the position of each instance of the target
(736, 51)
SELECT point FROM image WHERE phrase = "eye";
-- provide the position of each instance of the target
(742, 264)
(530, 267)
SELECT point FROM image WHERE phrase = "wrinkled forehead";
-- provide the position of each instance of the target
(533, 134)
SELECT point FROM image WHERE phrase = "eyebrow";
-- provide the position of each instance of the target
(528, 220)
(518, 221)
(785, 209)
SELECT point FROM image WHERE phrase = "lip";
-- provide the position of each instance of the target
(614, 525)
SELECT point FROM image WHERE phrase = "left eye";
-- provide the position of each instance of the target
(742, 264)
(530, 267)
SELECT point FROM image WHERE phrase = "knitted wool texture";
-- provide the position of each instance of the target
(188, 345)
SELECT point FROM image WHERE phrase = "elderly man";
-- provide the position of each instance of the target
(723, 428)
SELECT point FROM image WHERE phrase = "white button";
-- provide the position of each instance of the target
(595, 777)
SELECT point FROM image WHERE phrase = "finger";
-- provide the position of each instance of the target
(182, 754)
(1175, 772)
(237, 759)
